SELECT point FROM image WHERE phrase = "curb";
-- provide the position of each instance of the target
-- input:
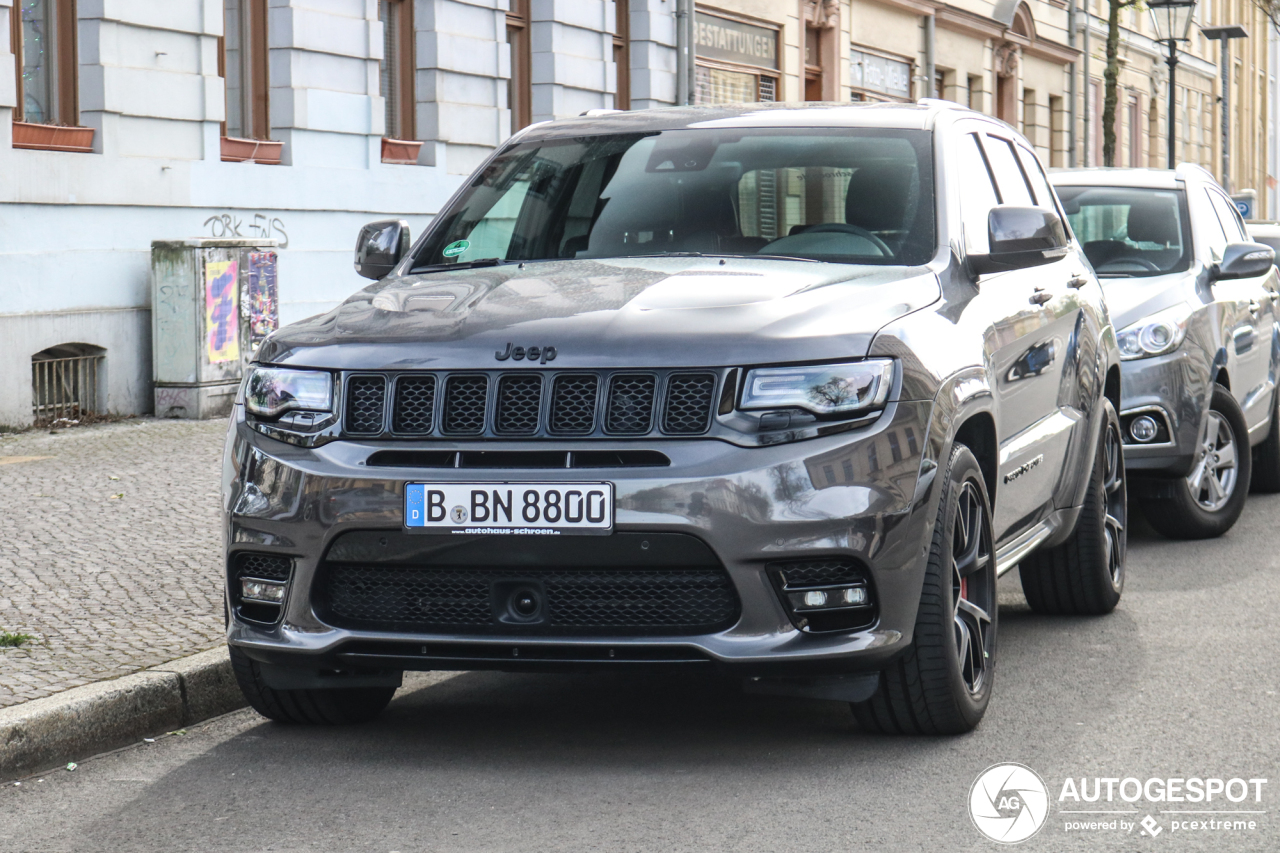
(106, 715)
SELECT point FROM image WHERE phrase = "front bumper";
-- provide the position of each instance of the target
(1175, 388)
(826, 497)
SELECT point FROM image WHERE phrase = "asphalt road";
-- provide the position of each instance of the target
(1181, 681)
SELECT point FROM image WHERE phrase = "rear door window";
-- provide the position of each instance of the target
(1009, 177)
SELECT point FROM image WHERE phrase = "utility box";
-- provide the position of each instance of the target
(213, 301)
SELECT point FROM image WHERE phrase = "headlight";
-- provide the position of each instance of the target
(272, 391)
(1156, 335)
(829, 389)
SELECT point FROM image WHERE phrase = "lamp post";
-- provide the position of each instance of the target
(1225, 34)
(1172, 22)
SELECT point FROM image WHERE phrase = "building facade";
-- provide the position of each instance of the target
(123, 122)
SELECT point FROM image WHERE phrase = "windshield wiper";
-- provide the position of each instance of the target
(464, 265)
(723, 255)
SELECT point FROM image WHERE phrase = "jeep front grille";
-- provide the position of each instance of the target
(530, 403)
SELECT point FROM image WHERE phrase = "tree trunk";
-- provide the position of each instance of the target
(1109, 83)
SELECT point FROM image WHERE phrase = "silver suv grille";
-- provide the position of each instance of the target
(550, 404)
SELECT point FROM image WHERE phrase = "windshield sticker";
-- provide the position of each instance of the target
(456, 248)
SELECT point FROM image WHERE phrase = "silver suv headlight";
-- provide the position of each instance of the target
(827, 389)
(272, 391)
(1156, 335)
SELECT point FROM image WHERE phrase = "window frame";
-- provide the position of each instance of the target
(520, 83)
(622, 54)
(255, 66)
(401, 108)
(65, 63)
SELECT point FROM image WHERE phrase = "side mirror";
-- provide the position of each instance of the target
(381, 246)
(1021, 237)
(1243, 260)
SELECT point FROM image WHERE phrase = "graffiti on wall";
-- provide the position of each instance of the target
(261, 297)
(259, 225)
(222, 311)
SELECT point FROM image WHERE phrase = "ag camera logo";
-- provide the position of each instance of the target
(1009, 803)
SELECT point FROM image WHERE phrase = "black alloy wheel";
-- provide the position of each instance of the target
(973, 588)
(941, 684)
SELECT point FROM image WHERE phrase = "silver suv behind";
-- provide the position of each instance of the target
(1195, 302)
(770, 392)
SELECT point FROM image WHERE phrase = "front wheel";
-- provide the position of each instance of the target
(1208, 501)
(329, 707)
(942, 684)
(1085, 574)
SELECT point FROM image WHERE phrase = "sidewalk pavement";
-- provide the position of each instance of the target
(110, 551)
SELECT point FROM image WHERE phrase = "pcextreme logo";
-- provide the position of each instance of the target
(1008, 803)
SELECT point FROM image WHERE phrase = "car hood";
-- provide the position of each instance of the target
(1130, 300)
(652, 312)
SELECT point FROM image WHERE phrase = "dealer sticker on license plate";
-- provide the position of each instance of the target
(509, 508)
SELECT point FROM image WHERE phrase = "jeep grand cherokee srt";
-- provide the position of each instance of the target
(776, 393)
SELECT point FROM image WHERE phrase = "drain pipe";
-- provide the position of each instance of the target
(1088, 91)
(684, 52)
(930, 58)
(1072, 91)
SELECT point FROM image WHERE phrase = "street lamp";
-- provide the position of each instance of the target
(1225, 34)
(1172, 22)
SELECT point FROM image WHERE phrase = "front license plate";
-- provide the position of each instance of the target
(509, 508)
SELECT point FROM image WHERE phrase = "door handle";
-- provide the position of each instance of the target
(1078, 281)
(1254, 307)
(1040, 297)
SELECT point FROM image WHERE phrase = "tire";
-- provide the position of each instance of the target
(1265, 478)
(1171, 506)
(1084, 575)
(332, 707)
(942, 683)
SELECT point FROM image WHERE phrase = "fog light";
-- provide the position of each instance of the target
(1143, 428)
(828, 599)
(251, 590)
(855, 595)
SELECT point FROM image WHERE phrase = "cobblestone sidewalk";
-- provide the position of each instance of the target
(109, 551)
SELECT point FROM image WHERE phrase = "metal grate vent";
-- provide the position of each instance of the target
(519, 404)
(630, 409)
(415, 405)
(64, 383)
(465, 402)
(366, 402)
(573, 404)
(687, 410)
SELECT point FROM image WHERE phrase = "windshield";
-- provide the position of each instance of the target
(849, 196)
(1129, 232)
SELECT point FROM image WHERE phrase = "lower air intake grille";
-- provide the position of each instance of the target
(267, 567)
(366, 399)
(464, 404)
(582, 601)
(806, 573)
(630, 404)
(688, 406)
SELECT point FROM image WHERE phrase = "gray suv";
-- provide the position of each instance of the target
(769, 392)
(1194, 301)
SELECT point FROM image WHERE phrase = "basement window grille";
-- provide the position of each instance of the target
(65, 383)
